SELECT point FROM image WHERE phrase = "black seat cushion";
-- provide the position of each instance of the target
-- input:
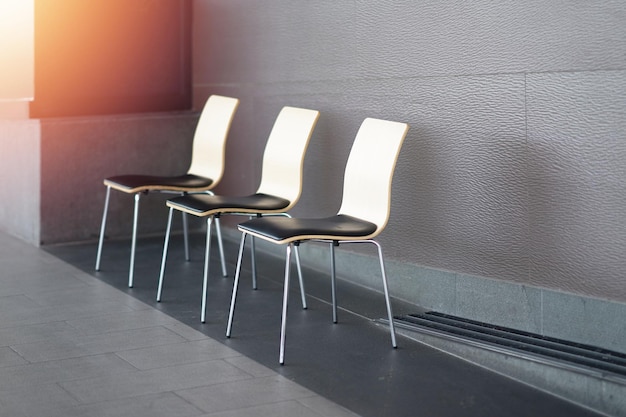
(282, 228)
(138, 183)
(203, 204)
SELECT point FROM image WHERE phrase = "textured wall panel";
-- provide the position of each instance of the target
(273, 41)
(224, 37)
(486, 184)
(577, 188)
(407, 38)
(459, 191)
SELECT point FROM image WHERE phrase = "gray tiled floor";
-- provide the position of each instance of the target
(71, 345)
(75, 342)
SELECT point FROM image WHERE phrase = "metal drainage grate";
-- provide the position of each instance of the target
(576, 354)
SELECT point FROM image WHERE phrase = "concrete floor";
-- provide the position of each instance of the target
(75, 342)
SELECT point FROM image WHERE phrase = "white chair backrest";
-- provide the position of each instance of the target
(369, 171)
(209, 141)
(283, 158)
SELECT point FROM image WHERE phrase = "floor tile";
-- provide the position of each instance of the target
(43, 400)
(8, 357)
(326, 408)
(35, 333)
(16, 304)
(31, 375)
(51, 349)
(280, 409)
(176, 354)
(186, 331)
(244, 394)
(79, 345)
(121, 320)
(124, 385)
(252, 367)
(59, 313)
(153, 405)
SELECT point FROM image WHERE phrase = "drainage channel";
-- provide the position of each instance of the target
(517, 342)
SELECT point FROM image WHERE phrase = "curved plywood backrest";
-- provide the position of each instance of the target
(209, 142)
(369, 171)
(283, 157)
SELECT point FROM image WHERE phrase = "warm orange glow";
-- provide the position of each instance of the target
(16, 50)
(111, 56)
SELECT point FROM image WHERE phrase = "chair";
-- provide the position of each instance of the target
(278, 192)
(205, 172)
(363, 214)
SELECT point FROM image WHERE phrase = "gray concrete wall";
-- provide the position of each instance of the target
(513, 169)
(52, 171)
(19, 178)
(78, 153)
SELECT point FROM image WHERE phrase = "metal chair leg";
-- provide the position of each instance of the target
(134, 241)
(205, 281)
(333, 281)
(296, 252)
(231, 312)
(186, 235)
(253, 261)
(102, 227)
(283, 324)
(299, 268)
(220, 244)
(165, 247)
(392, 328)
